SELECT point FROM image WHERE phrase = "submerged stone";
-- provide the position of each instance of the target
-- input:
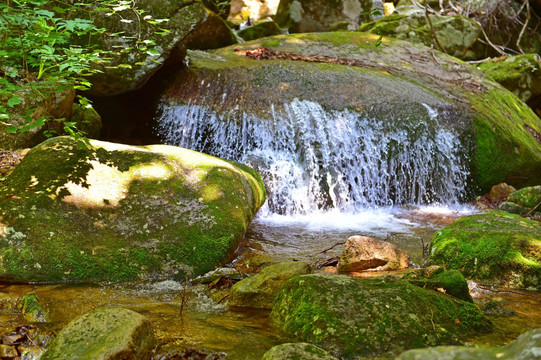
(260, 290)
(73, 212)
(297, 351)
(105, 334)
(497, 246)
(526, 347)
(371, 317)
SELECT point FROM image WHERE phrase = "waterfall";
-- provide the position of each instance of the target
(314, 160)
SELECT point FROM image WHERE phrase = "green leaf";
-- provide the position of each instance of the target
(11, 129)
(15, 100)
(153, 52)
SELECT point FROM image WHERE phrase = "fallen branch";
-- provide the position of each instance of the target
(534, 208)
(332, 247)
(432, 28)
(527, 2)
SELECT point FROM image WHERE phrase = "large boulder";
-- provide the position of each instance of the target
(297, 351)
(366, 253)
(387, 124)
(260, 290)
(520, 74)
(301, 16)
(75, 211)
(456, 34)
(496, 246)
(162, 25)
(525, 347)
(371, 317)
(105, 334)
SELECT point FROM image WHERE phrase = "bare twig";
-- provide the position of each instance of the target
(533, 209)
(478, 61)
(432, 28)
(434, 54)
(332, 247)
(527, 2)
(495, 47)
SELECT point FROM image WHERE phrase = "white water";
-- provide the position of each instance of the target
(316, 163)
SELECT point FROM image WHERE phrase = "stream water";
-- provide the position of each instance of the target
(329, 175)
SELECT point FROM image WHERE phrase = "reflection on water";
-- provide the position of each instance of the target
(246, 334)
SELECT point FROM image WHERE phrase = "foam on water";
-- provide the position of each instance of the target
(317, 163)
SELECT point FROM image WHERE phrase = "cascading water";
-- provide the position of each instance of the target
(313, 160)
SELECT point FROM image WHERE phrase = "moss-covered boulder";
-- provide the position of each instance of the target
(260, 30)
(387, 87)
(526, 346)
(496, 246)
(525, 201)
(519, 74)
(371, 317)
(106, 333)
(450, 282)
(108, 211)
(456, 34)
(212, 33)
(297, 351)
(260, 290)
(301, 16)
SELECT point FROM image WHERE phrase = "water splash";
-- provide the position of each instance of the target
(314, 160)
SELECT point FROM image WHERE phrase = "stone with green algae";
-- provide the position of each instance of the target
(451, 282)
(371, 317)
(526, 347)
(391, 83)
(496, 246)
(524, 201)
(259, 30)
(297, 351)
(112, 212)
(259, 291)
(107, 333)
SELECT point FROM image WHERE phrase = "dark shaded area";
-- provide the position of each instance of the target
(129, 118)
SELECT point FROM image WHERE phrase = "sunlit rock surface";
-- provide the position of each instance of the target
(115, 212)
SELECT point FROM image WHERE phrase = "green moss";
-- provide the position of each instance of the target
(166, 210)
(498, 246)
(263, 29)
(371, 317)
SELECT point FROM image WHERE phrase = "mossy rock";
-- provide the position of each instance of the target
(391, 85)
(297, 351)
(106, 333)
(260, 290)
(456, 34)
(519, 74)
(452, 282)
(212, 33)
(524, 201)
(31, 310)
(526, 346)
(260, 30)
(302, 16)
(371, 317)
(109, 211)
(496, 246)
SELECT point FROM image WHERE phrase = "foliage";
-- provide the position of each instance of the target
(38, 50)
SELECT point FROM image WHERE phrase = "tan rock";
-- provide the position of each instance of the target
(366, 253)
(499, 193)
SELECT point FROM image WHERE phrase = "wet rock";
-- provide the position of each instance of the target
(301, 16)
(72, 211)
(496, 246)
(450, 282)
(31, 309)
(293, 351)
(344, 74)
(219, 273)
(519, 74)
(260, 290)
(456, 34)
(106, 333)
(526, 346)
(262, 29)
(524, 201)
(366, 253)
(371, 317)
(8, 352)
